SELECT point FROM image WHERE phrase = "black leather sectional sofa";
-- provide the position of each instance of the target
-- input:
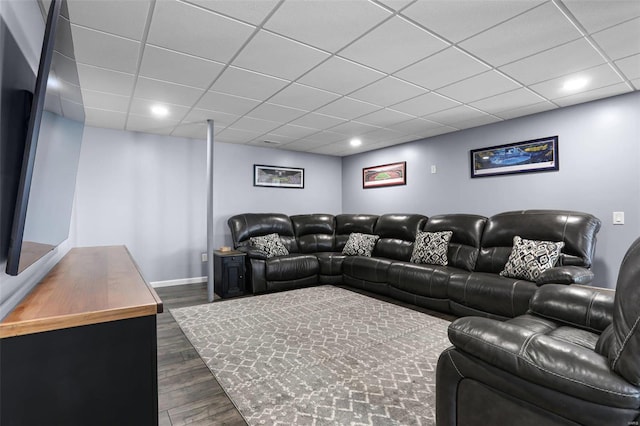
(469, 285)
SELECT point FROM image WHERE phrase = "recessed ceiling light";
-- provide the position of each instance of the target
(355, 142)
(575, 84)
(160, 110)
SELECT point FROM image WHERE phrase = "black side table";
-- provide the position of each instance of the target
(229, 273)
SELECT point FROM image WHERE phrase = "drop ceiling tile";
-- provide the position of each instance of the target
(403, 44)
(414, 126)
(323, 138)
(636, 83)
(248, 84)
(106, 119)
(480, 86)
(620, 41)
(163, 91)
(250, 11)
(282, 114)
(340, 76)
(102, 100)
(383, 135)
(189, 29)
(526, 110)
(354, 128)
(603, 92)
(396, 4)
(571, 57)
(506, 101)
(303, 145)
(142, 107)
(270, 137)
(255, 125)
(104, 50)
(318, 121)
(138, 123)
(275, 55)
(475, 122)
(175, 67)
(384, 117)
(425, 104)
(458, 20)
(455, 115)
(303, 97)
(107, 15)
(442, 69)
(316, 23)
(630, 66)
(347, 108)
(220, 119)
(217, 101)
(534, 31)
(191, 130)
(101, 79)
(387, 91)
(596, 15)
(600, 76)
(435, 131)
(292, 131)
(232, 135)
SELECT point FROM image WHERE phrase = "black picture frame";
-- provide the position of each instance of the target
(532, 156)
(278, 176)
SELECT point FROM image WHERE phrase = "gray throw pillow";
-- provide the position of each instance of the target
(431, 248)
(270, 244)
(530, 258)
(360, 244)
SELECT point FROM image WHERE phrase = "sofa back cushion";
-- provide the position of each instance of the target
(348, 223)
(314, 232)
(577, 231)
(247, 225)
(624, 340)
(397, 233)
(464, 245)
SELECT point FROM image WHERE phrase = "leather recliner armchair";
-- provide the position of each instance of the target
(574, 358)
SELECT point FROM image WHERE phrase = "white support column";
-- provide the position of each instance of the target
(210, 248)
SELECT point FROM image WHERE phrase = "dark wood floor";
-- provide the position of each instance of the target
(187, 391)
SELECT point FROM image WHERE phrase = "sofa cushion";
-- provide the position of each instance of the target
(421, 279)
(431, 248)
(360, 244)
(291, 267)
(247, 225)
(314, 232)
(270, 244)
(348, 223)
(530, 258)
(366, 268)
(397, 233)
(577, 230)
(491, 293)
(330, 263)
(464, 245)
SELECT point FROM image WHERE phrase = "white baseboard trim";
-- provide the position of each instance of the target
(183, 281)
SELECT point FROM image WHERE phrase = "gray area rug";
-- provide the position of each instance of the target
(320, 355)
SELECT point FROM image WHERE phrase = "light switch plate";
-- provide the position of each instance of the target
(433, 168)
(618, 218)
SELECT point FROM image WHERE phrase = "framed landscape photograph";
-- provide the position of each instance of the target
(385, 175)
(537, 155)
(278, 177)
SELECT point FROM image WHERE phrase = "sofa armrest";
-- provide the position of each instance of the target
(253, 253)
(589, 308)
(544, 360)
(566, 275)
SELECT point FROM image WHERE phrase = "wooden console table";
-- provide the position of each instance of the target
(81, 348)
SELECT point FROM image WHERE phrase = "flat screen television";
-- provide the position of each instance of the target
(55, 127)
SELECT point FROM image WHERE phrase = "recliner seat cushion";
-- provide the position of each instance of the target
(291, 267)
(421, 279)
(366, 268)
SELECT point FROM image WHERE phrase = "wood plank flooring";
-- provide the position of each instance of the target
(187, 391)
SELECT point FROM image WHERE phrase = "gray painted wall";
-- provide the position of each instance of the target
(599, 173)
(25, 22)
(149, 193)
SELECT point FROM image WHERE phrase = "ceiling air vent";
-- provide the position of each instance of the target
(272, 142)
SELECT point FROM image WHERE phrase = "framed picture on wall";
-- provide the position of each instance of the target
(278, 177)
(537, 155)
(385, 175)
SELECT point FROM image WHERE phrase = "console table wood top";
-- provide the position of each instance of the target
(89, 285)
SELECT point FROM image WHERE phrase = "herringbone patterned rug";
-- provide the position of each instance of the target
(320, 356)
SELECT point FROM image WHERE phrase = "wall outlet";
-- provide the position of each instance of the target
(433, 168)
(618, 218)
(204, 257)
